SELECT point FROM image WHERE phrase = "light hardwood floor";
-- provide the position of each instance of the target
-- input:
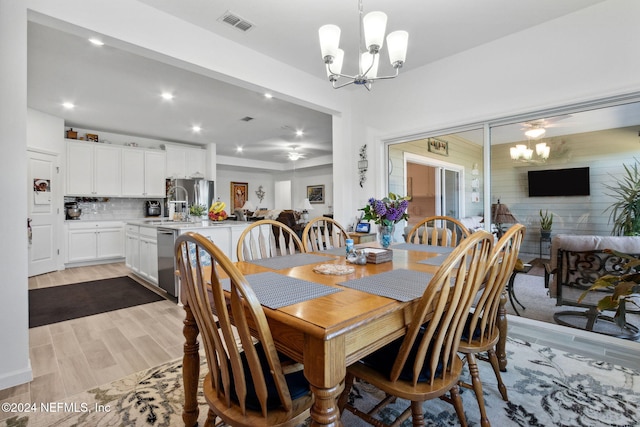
(76, 355)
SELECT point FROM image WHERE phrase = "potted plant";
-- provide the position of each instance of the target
(546, 221)
(386, 212)
(197, 211)
(625, 213)
(626, 288)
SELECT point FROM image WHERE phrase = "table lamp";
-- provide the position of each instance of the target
(305, 208)
(248, 207)
(501, 214)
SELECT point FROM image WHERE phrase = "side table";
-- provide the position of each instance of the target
(362, 237)
(512, 296)
(545, 247)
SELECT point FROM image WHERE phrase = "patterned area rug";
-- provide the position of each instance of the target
(546, 388)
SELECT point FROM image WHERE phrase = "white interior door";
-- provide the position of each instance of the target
(44, 191)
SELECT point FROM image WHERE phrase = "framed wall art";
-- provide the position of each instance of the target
(438, 146)
(315, 193)
(238, 192)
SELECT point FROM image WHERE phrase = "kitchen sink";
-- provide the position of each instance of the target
(166, 222)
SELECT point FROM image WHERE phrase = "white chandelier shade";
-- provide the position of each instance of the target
(373, 25)
(524, 153)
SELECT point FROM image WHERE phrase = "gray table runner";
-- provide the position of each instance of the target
(436, 260)
(289, 261)
(401, 284)
(276, 290)
(423, 248)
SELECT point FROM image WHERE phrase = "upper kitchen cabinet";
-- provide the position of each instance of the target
(143, 173)
(93, 169)
(185, 162)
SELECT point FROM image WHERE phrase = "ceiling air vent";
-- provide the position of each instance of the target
(236, 21)
(246, 119)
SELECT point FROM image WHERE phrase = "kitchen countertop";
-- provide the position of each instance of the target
(182, 225)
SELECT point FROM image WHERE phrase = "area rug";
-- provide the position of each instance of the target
(66, 302)
(546, 387)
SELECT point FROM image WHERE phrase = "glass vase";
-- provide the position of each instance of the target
(386, 235)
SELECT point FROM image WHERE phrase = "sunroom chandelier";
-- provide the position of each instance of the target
(522, 152)
(373, 26)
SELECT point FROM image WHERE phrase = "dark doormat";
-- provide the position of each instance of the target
(66, 302)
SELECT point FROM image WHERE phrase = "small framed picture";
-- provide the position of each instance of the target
(92, 137)
(438, 146)
(315, 193)
(239, 191)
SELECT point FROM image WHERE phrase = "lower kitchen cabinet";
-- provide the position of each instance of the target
(142, 252)
(149, 254)
(94, 241)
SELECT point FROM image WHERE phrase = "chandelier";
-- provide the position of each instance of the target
(373, 26)
(524, 153)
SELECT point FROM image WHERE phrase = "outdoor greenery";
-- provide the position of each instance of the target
(625, 212)
(626, 288)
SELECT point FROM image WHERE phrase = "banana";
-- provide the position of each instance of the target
(217, 206)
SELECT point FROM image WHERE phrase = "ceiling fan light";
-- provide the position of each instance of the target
(329, 41)
(368, 60)
(397, 43)
(294, 156)
(535, 132)
(515, 153)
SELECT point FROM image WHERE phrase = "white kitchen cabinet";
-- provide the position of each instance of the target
(149, 254)
(94, 241)
(132, 247)
(143, 173)
(185, 162)
(142, 252)
(93, 169)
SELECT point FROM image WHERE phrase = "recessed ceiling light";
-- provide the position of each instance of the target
(268, 95)
(68, 105)
(299, 133)
(196, 128)
(96, 41)
(168, 96)
(238, 149)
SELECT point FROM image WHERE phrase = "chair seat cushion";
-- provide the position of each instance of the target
(467, 325)
(383, 360)
(297, 383)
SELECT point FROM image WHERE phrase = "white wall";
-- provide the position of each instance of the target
(587, 55)
(15, 367)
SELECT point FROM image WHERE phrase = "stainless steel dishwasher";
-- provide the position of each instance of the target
(166, 261)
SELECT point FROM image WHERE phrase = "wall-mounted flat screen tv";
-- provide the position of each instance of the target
(559, 182)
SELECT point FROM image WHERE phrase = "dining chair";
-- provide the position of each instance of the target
(481, 329)
(266, 239)
(424, 364)
(438, 230)
(247, 384)
(322, 233)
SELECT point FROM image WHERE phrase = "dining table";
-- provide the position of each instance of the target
(329, 321)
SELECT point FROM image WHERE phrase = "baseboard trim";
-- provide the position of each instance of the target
(12, 379)
(591, 344)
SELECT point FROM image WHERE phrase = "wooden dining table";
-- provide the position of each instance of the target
(330, 332)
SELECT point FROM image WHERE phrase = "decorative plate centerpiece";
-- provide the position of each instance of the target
(334, 269)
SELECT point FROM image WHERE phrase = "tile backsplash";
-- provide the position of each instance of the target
(109, 208)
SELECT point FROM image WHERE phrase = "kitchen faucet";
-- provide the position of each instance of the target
(186, 197)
